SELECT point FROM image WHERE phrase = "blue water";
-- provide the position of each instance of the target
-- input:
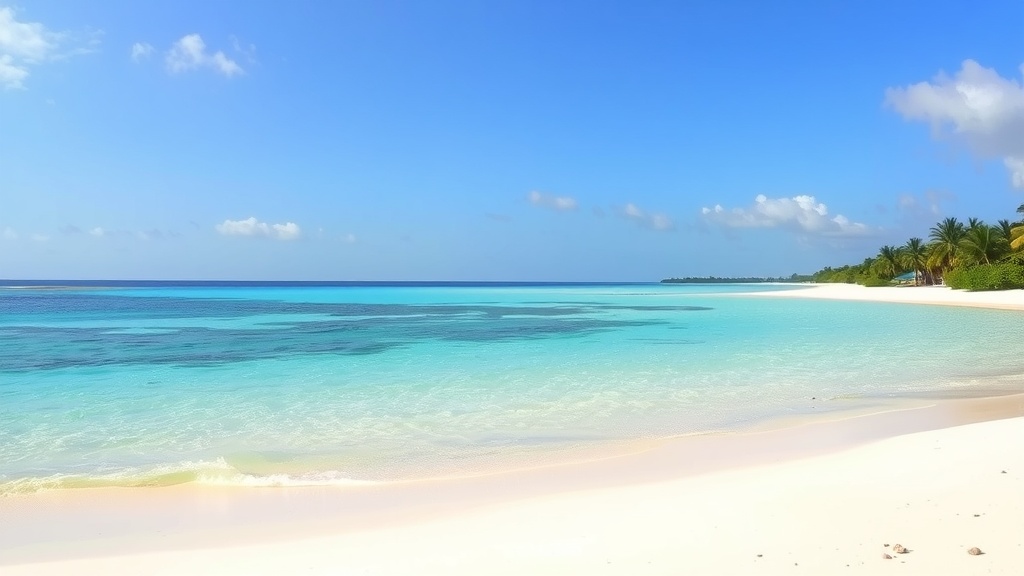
(256, 384)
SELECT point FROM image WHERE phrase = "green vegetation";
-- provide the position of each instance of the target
(1004, 275)
(970, 256)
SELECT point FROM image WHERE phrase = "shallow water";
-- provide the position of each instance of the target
(258, 384)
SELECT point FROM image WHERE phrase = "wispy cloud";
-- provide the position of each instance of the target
(654, 221)
(148, 235)
(10, 233)
(141, 51)
(39, 238)
(100, 232)
(976, 106)
(927, 205)
(189, 53)
(12, 75)
(801, 213)
(24, 45)
(245, 49)
(559, 203)
(253, 227)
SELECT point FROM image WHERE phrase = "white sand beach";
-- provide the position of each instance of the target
(939, 295)
(822, 497)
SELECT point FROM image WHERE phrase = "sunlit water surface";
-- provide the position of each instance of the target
(265, 385)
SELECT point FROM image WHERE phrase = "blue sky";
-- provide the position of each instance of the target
(515, 140)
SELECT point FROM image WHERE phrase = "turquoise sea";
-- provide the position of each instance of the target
(280, 384)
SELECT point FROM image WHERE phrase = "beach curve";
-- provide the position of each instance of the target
(799, 506)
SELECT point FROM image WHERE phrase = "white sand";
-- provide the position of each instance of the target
(937, 493)
(940, 295)
(819, 498)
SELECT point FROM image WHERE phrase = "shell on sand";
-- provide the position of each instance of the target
(974, 551)
(899, 549)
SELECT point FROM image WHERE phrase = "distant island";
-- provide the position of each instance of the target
(745, 280)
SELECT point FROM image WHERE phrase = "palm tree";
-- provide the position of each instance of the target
(888, 261)
(983, 244)
(1017, 236)
(1005, 229)
(946, 236)
(915, 256)
(973, 223)
(936, 260)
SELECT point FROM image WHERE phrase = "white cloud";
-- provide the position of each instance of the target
(560, 203)
(801, 213)
(253, 227)
(661, 222)
(189, 53)
(11, 76)
(1016, 167)
(22, 44)
(289, 231)
(39, 238)
(141, 50)
(350, 238)
(27, 44)
(10, 234)
(97, 231)
(977, 106)
(656, 221)
(28, 40)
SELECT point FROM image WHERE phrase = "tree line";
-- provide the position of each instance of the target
(972, 255)
(735, 280)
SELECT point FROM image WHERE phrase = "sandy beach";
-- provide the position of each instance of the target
(937, 295)
(826, 496)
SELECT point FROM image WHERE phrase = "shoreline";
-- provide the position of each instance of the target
(930, 295)
(450, 525)
(207, 529)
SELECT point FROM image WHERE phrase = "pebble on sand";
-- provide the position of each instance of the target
(899, 549)
(974, 551)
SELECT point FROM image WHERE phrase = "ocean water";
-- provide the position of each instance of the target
(278, 384)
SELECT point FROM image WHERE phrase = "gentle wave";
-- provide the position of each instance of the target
(206, 473)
